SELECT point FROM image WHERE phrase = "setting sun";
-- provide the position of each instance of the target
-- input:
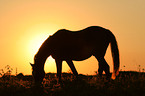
(42, 32)
(35, 43)
(37, 35)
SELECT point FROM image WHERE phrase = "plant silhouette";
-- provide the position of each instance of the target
(66, 45)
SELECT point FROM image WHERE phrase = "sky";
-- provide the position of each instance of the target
(25, 24)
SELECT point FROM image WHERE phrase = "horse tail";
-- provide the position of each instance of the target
(115, 56)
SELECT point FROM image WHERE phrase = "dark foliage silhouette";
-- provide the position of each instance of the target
(65, 45)
(20, 76)
(128, 83)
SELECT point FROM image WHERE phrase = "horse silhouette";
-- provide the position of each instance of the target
(66, 45)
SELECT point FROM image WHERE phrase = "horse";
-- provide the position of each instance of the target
(66, 45)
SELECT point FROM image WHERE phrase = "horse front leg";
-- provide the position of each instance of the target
(59, 69)
(71, 65)
(100, 69)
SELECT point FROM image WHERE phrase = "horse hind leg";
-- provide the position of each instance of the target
(103, 66)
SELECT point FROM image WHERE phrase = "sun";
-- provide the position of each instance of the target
(34, 46)
(35, 43)
(37, 35)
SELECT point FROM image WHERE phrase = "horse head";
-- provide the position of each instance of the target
(37, 73)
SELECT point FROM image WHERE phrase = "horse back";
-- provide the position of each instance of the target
(90, 33)
(79, 44)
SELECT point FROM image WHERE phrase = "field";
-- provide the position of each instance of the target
(126, 84)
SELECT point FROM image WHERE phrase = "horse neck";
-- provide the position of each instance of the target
(40, 61)
(43, 53)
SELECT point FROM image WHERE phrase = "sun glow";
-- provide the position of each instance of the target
(30, 42)
(33, 47)
(35, 43)
(40, 33)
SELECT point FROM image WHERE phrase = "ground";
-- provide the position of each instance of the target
(126, 84)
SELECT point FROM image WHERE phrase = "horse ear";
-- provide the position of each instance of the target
(31, 64)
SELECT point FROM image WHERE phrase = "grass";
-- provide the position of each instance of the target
(126, 84)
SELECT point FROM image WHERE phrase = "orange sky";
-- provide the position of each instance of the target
(25, 24)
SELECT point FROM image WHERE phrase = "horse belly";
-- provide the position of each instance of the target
(80, 53)
(81, 58)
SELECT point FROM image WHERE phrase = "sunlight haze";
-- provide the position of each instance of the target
(26, 24)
